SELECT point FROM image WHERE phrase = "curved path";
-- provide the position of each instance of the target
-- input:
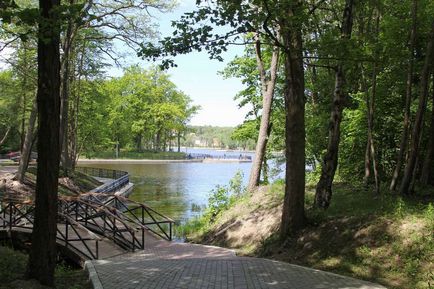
(178, 265)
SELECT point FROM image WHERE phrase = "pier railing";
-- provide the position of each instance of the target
(241, 157)
(106, 221)
(143, 215)
(82, 219)
(120, 178)
(135, 212)
(19, 216)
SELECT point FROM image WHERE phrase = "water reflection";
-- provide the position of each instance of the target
(178, 190)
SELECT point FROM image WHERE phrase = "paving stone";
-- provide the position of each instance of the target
(169, 265)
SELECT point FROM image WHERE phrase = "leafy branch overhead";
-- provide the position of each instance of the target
(212, 27)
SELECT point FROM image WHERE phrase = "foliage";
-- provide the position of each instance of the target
(386, 240)
(140, 110)
(149, 155)
(13, 267)
(213, 136)
(221, 199)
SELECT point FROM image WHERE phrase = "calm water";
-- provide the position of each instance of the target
(179, 190)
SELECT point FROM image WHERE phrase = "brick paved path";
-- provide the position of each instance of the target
(165, 265)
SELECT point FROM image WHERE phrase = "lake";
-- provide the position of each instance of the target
(180, 190)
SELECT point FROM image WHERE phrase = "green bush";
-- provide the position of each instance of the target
(220, 199)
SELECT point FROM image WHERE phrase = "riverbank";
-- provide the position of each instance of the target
(151, 161)
(73, 185)
(387, 240)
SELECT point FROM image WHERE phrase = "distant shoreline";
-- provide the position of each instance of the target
(148, 161)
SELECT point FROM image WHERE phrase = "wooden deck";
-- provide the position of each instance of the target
(97, 225)
(89, 228)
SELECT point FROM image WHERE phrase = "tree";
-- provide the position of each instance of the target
(9, 104)
(267, 86)
(408, 97)
(416, 133)
(27, 146)
(323, 192)
(290, 21)
(428, 164)
(242, 18)
(42, 259)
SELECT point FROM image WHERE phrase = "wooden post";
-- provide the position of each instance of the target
(66, 233)
(97, 249)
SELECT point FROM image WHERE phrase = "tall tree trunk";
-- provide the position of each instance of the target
(179, 141)
(417, 128)
(117, 148)
(158, 140)
(42, 259)
(371, 109)
(370, 103)
(367, 175)
(74, 146)
(5, 136)
(24, 98)
(408, 92)
(65, 91)
(267, 100)
(324, 187)
(293, 217)
(428, 164)
(265, 169)
(28, 142)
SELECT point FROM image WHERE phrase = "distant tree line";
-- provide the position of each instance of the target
(216, 137)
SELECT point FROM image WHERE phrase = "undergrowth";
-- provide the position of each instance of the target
(220, 200)
(388, 239)
(13, 267)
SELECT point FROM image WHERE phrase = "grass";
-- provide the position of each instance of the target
(13, 267)
(82, 181)
(386, 239)
(148, 155)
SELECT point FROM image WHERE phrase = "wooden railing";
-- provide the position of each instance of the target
(139, 213)
(80, 218)
(106, 221)
(20, 216)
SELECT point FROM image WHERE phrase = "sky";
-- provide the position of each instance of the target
(197, 76)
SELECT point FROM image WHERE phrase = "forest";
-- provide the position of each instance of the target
(345, 87)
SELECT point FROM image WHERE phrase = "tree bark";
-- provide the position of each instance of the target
(179, 141)
(370, 103)
(417, 128)
(371, 109)
(64, 104)
(5, 136)
(24, 91)
(42, 258)
(267, 100)
(367, 156)
(293, 217)
(74, 146)
(408, 92)
(428, 164)
(324, 187)
(28, 143)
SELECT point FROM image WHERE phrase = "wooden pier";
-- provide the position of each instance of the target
(95, 225)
